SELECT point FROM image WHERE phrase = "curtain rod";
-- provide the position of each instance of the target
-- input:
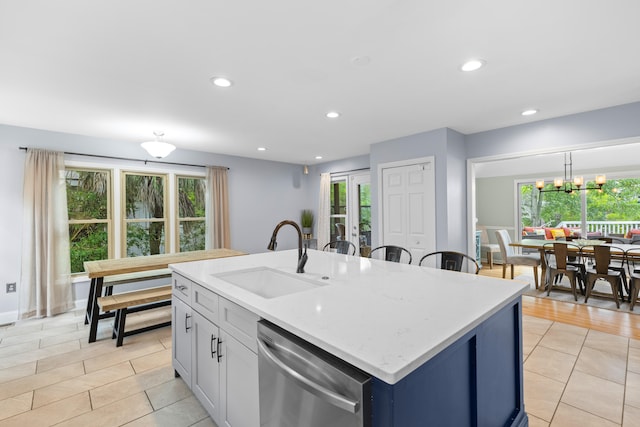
(350, 171)
(134, 160)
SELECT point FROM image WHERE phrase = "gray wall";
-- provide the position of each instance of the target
(262, 193)
(456, 193)
(597, 126)
(447, 146)
(495, 202)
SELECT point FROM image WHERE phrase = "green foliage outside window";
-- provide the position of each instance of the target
(145, 199)
(618, 201)
(88, 204)
(191, 213)
(365, 207)
(339, 198)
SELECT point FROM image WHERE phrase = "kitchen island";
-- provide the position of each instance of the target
(443, 348)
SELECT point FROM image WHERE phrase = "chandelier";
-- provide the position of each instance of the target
(570, 183)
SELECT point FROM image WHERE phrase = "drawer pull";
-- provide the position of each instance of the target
(181, 287)
(186, 323)
(213, 338)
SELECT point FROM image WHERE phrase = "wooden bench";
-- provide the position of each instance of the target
(131, 302)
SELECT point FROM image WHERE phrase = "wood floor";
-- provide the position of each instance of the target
(620, 323)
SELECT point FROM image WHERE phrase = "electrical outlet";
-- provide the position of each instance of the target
(11, 287)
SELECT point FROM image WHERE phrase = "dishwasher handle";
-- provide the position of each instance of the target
(322, 392)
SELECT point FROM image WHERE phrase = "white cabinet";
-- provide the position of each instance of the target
(214, 351)
(239, 404)
(181, 323)
(205, 378)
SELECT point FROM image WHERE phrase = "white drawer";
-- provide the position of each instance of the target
(205, 302)
(182, 287)
(240, 323)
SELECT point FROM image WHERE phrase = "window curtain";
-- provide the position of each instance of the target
(324, 210)
(45, 288)
(217, 209)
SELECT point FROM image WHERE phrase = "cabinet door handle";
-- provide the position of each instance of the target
(181, 287)
(218, 350)
(213, 338)
(186, 323)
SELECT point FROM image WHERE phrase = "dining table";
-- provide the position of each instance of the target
(618, 250)
(98, 270)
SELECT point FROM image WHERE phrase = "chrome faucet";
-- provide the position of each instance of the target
(302, 257)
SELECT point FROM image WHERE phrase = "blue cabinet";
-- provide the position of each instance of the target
(476, 381)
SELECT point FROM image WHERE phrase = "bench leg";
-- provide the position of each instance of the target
(114, 332)
(93, 308)
(122, 314)
(87, 315)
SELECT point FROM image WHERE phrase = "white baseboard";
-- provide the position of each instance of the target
(8, 317)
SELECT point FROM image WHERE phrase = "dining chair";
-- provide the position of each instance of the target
(602, 270)
(557, 257)
(341, 247)
(509, 256)
(486, 247)
(391, 253)
(451, 260)
(633, 262)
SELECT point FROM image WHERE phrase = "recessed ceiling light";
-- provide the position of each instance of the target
(529, 112)
(318, 157)
(262, 149)
(473, 64)
(220, 81)
(333, 114)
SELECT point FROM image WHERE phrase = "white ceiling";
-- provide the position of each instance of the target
(122, 69)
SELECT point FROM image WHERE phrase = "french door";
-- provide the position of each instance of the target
(350, 217)
(360, 212)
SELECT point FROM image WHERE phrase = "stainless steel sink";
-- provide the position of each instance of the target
(267, 282)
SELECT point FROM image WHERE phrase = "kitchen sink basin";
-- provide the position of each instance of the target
(267, 282)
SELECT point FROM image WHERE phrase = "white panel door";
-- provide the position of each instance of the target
(408, 218)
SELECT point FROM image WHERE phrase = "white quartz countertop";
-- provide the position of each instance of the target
(384, 318)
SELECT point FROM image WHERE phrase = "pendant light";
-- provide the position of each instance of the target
(157, 148)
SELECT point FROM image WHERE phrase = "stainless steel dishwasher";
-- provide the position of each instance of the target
(303, 385)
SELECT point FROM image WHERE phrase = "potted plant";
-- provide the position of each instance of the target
(306, 221)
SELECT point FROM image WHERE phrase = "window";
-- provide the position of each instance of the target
(115, 213)
(191, 213)
(547, 209)
(614, 210)
(89, 208)
(144, 221)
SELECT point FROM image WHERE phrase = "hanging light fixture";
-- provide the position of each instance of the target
(157, 148)
(570, 183)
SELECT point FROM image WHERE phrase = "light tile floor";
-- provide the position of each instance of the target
(579, 377)
(50, 375)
